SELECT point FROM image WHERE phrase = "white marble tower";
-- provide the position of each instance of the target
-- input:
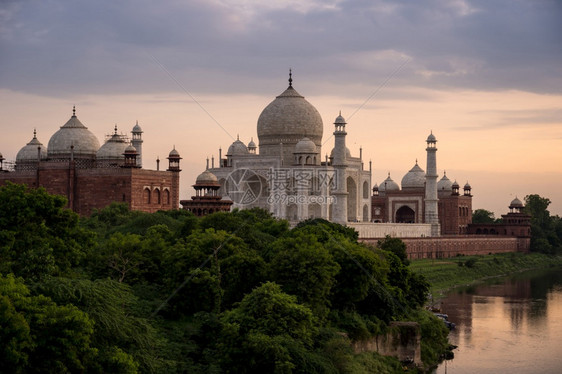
(339, 209)
(431, 210)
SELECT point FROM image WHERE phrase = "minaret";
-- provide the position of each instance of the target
(339, 162)
(431, 212)
(137, 143)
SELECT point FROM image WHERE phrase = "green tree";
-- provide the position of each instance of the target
(269, 332)
(40, 236)
(304, 268)
(544, 236)
(396, 246)
(53, 339)
(483, 216)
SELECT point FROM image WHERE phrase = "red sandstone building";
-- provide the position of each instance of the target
(91, 177)
(390, 204)
(207, 199)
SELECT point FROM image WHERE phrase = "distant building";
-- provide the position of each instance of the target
(207, 199)
(91, 176)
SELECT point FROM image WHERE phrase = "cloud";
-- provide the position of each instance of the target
(63, 49)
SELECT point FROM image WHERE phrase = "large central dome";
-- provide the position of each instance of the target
(285, 121)
(73, 134)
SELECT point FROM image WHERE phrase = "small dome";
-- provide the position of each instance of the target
(415, 178)
(516, 203)
(455, 185)
(29, 151)
(444, 184)
(347, 153)
(113, 148)
(251, 144)
(389, 185)
(467, 186)
(375, 187)
(131, 149)
(137, 128)
(305, 145)
(431, 138)
(237, 148)
(173, 153)
(73, 133)
(340, 120)
(206, 177)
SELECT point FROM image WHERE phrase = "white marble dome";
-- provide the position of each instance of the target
(206, 177)
(113, 148)
(73, 133)
(237, 148)
(29, 151)
(288, 119)
(516, 203)
(347, 153)
(388, 185)
(305, 145)
(444, 184)
(415, 178)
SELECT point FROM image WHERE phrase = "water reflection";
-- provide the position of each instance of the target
(507, 326)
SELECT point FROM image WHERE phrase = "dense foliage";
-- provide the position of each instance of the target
(546, 230)
(240, 292)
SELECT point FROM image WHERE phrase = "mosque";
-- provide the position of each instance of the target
(91, 176)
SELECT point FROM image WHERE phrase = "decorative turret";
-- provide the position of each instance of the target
(516, 206)
(174, 160)
(467, 189)
(376, 190)
(130, 157)
(137, 142)
(455, 188)
(252, 147)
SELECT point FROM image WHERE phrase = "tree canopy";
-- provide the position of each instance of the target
(128, 292)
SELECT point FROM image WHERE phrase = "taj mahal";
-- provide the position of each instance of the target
(287, 175)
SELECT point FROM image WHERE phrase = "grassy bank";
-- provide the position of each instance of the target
(447, 273)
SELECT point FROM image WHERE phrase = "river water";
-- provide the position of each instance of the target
(507, 326)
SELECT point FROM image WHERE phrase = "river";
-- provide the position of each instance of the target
(510, 325)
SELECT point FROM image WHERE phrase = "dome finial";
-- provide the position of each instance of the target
(74, 111)
(237, 136)
(115, 129)
(34, 133)
(416, 161)
(290, 77)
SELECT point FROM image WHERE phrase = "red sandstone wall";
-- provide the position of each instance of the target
(444, 247)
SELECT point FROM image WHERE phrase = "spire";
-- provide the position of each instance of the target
(74, 111)
(290, 77)
(34, 133)
(115, 129)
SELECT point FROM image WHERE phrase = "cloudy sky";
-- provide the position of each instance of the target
(484, 76)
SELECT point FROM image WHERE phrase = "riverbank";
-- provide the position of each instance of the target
(444, 274)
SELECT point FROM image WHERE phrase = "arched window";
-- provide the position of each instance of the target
(146, 195)
(157, 196)
(166, 196)
(366, 190)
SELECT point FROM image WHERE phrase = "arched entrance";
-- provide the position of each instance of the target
(405, 215)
